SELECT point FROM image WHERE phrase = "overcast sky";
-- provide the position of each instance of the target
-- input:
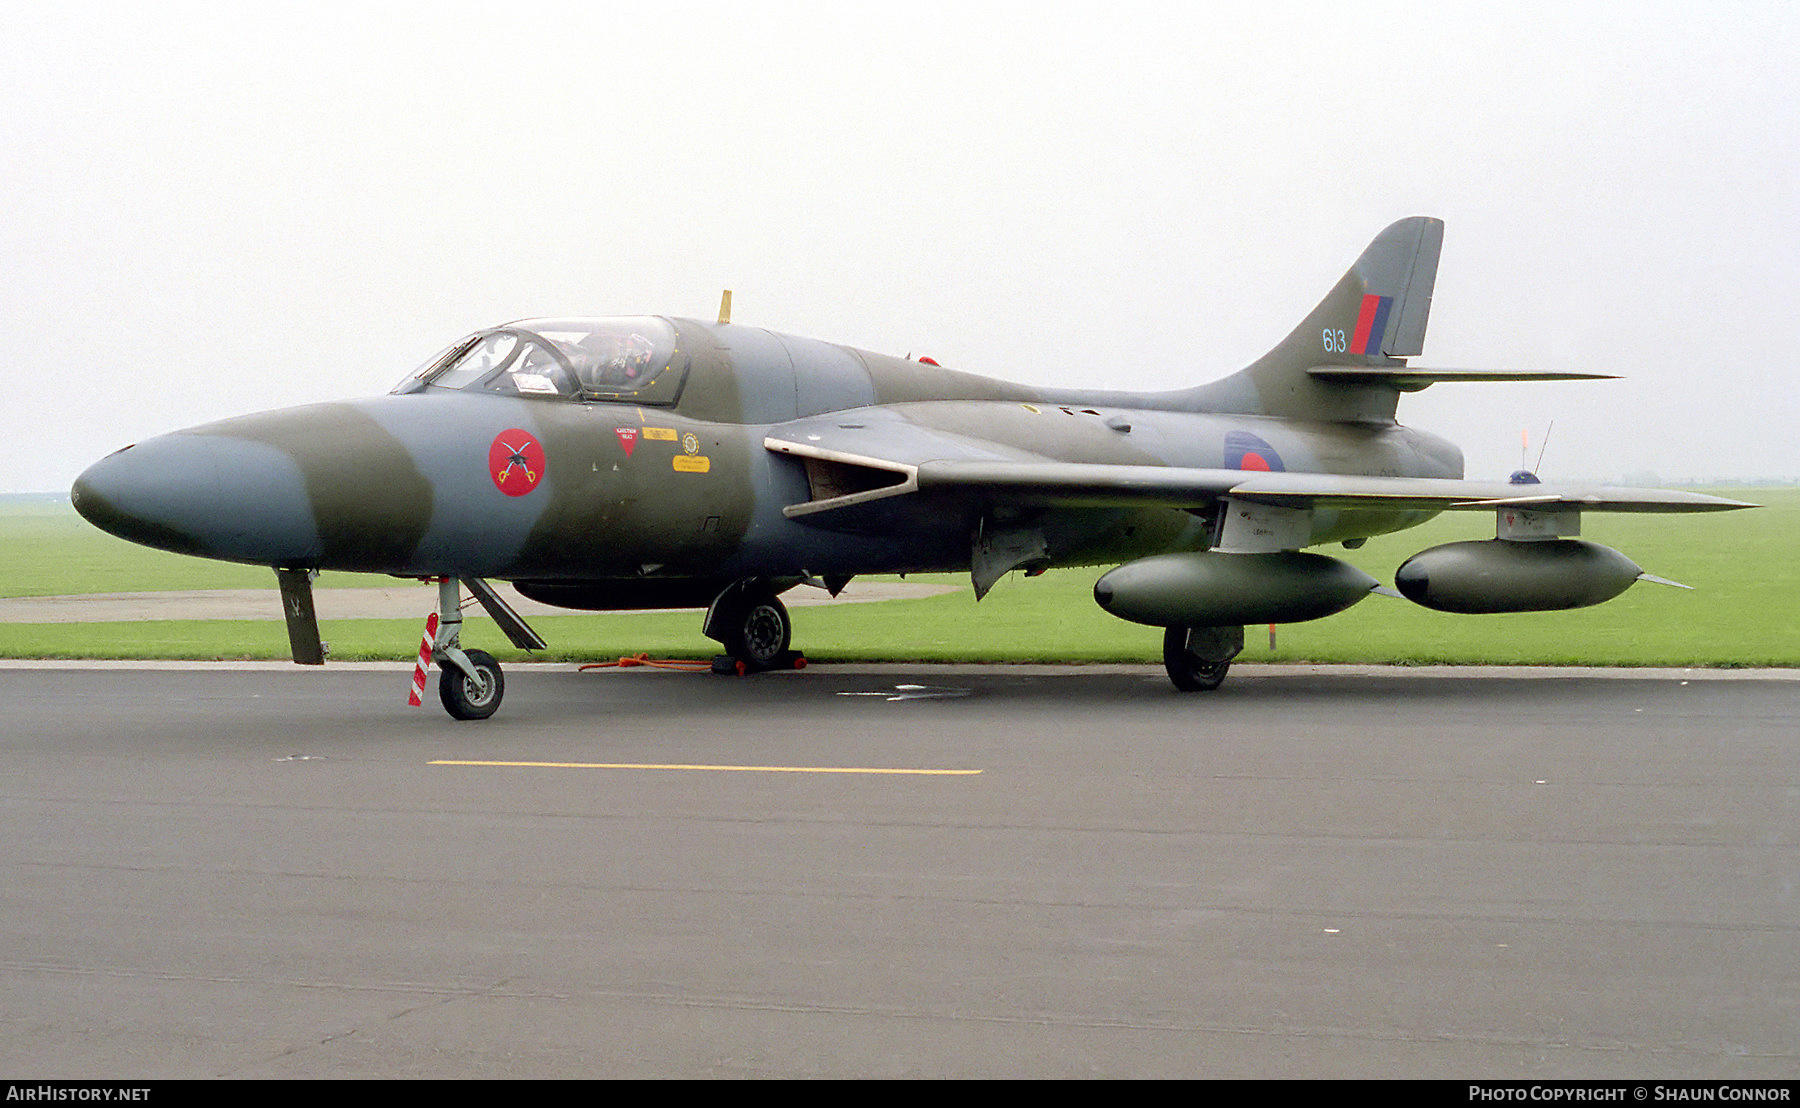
(212, 209)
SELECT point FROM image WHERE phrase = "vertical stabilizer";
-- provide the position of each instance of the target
(1374, 316)
(1406, 338)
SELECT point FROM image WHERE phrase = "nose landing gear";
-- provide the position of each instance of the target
(472, 697)
(470, 683)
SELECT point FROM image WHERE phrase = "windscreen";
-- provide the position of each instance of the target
(635, 358)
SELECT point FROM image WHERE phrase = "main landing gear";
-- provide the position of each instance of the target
(752, 624)
(1197, 658)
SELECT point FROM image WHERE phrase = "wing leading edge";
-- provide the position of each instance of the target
(854, 465)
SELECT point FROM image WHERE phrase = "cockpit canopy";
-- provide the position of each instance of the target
(627, 358)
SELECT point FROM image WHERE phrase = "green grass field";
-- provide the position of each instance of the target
(1745, 610)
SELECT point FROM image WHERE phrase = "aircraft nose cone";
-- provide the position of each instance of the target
(152, 493)
(201, 494)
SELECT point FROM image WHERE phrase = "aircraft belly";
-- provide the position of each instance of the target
(1137, 533)
(1336, 525)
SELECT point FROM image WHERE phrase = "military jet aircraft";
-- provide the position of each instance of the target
(651, 462)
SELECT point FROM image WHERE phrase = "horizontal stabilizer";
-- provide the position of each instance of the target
(1414, 378)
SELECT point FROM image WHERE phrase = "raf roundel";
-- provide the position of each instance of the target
(1246, 451)
(516, 462)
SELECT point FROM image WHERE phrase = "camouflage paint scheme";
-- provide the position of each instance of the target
(758, 457)
(400, 484)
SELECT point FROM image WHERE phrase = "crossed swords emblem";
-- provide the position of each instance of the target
(516, 460)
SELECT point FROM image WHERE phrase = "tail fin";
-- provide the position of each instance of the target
(1374, 316)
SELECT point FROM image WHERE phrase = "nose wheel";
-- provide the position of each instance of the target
(476, 695)
(469, 681)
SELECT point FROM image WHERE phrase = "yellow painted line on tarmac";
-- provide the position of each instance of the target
(710, 769)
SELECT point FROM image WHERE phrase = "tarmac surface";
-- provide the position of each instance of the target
(912, 871)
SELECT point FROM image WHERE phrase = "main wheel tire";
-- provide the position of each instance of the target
(471, 698)
(1189, 673)
(759, 631)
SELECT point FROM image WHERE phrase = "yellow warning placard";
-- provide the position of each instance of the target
(692, 463)
(660, 434)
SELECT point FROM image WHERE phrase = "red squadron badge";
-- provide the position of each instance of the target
(628, 437)
(516, 462)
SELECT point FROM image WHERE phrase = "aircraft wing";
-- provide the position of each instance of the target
(1327, 490)
(854, 459)
(1069, 484)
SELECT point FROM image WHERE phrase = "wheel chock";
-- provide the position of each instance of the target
(727, 666)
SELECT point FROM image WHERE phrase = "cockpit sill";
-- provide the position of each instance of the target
(633, 359)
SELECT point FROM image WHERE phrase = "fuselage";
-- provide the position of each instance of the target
(648, 462)
(531, 477)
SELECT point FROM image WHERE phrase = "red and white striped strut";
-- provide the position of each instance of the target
(418, 685)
